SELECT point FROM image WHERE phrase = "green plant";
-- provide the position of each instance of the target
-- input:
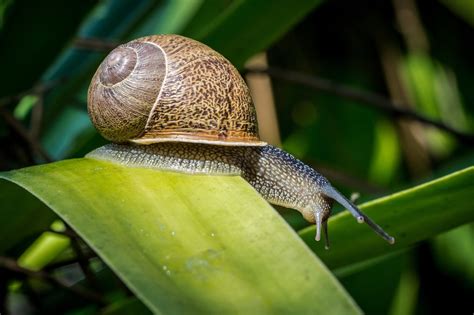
(139, 240)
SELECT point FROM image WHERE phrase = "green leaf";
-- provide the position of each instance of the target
(410, 216)
(125, 307)
(37, 20)
(59, 143)
(463, 8)
(247, 27)
(205, 15)
(17, 226)
(187, 244)
(25, 105)
(171, 18)
(454, 253)
(45, 248)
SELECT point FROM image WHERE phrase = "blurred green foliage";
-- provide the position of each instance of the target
(46, 71)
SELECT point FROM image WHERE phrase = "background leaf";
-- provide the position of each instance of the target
(410, 216)
(23, 70)
(52, 50)
(233, 33)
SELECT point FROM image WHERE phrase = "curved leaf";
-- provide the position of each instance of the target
(410, 216)
(247, 27)
(17, 226)
(187, 244)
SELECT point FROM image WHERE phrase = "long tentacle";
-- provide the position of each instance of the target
(331, 192)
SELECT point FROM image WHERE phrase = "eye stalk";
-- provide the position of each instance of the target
(331, 192)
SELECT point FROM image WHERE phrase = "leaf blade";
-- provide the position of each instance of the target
(410, 216)
(247, 27)
(233, 255)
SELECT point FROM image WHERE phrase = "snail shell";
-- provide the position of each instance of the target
(169, 88)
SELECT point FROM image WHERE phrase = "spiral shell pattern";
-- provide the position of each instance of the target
(171, 88)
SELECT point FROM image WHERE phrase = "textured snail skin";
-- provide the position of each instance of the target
(278, 176)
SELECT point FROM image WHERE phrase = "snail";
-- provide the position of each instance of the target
(172, 103)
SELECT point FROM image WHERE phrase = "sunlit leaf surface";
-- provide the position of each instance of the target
(186, 244)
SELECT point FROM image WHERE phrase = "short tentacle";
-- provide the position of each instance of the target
(318, 219)
(326, 234)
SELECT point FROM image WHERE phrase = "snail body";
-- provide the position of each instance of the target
(171, 103)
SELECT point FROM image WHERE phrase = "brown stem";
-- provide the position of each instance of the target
(25, 134)
(68, 232)
(4, 279)
(83, 262)
(37, 118)
(412, 135)
(374, 100)
(30, 136)
(95, 44)
(262, 95)
(81, 258)
(38, 89)
(68, 262)
(12, 265)
(409, 23)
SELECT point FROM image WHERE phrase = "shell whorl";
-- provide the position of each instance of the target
(171, 88)
(124, 89)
